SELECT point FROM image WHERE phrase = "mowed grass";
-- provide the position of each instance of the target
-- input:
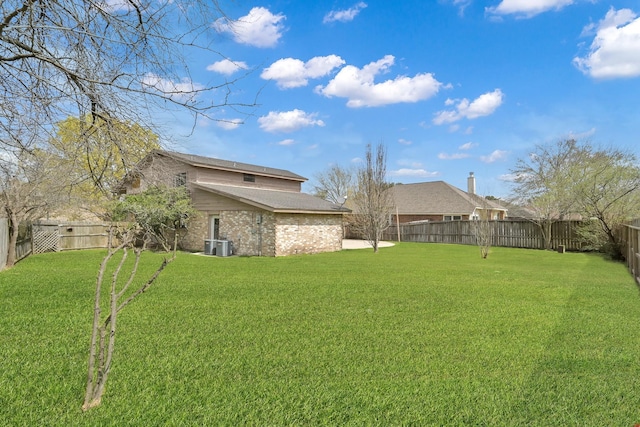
(417, 334)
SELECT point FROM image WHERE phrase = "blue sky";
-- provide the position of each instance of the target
(448, 86)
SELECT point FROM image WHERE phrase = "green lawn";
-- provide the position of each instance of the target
(418, 334)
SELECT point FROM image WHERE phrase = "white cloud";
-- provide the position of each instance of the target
(454, 156)
(258, 28)
(290, 72)
(227, 66)
(615, 50)
(462, 4)
(185, 90)
(582, 135)
(404, 141)
(229, 124)
(467, 146)
(527, 8)
(288, 121)
(483, 105)
(344, 15)
(410, 163)
(509, 177)
(420, 173)
(494, 157)
(286, 142)
(357, 85)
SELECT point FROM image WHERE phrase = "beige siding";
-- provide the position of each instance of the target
(163, 170)
(209, 202)
(234, 178)
(160, 171)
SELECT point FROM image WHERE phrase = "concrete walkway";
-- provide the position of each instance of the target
(362, 244)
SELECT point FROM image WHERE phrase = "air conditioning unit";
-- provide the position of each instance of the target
(224, 247)
(210, 246)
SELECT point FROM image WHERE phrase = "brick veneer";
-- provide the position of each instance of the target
(197, 231)
(262, 233)
(307, 234)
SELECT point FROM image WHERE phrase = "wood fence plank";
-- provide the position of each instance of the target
(505, 233)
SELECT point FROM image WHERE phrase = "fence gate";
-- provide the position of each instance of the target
(45, 238)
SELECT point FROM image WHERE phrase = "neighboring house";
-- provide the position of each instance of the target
(439, 201)
(527, 213)
(519, 213)
(261, 210)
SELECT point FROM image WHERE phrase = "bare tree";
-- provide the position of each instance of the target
(481, 225)
(373, 205)
(103, 331)
(28, 190)
(335, 184)
(154, 212)
(607, 188)
(571, 177)
(544, 182)
(118, 61)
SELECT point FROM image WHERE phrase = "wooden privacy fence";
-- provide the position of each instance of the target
(54, 236)
(44, 237)
(512, 234)
(629, 235)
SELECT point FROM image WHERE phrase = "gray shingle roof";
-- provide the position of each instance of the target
(211, 162)
(274, 200)
(435, 198)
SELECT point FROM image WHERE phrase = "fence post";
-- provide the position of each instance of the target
(4, 242)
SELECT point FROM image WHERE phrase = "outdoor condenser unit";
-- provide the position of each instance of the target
(210, 246)
(224, 247)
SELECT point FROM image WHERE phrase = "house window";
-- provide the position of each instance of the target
(249, 177)
(453, 217)
(180, 180)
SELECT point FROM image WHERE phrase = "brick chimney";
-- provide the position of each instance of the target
(471, 184)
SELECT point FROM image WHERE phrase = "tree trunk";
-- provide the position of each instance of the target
(14, 223)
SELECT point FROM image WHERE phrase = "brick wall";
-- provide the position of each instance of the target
(197, 231)
(261, 233)
(250, 231)
(307, 234)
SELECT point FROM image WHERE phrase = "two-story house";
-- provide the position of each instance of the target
(261, 210)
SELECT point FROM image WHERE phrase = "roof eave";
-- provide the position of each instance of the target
(267, 207)
(201, 165)
(310, 212)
